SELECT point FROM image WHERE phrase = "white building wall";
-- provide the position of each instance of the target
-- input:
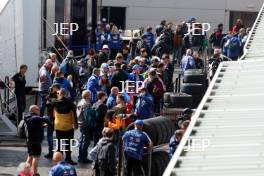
(51, 20)
(19, 38)
(141, 13)
(31, 38)
(11, 38)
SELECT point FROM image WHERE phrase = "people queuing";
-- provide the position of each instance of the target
(119, 83)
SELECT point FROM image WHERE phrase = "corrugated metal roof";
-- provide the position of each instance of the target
(229, 119)
(3, 3)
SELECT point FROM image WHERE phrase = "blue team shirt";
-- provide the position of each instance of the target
(187, 63)
(62, 169)
(134, 143)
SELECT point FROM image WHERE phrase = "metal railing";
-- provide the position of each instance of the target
(8, 100)
(252, 31)
(57, 37)
(176, 157)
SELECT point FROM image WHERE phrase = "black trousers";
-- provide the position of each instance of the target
(133, 166)
(106, 173)
(21, 105)
(65, 135)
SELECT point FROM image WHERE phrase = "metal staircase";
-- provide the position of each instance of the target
(229, 118)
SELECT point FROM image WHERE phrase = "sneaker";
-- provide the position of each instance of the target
(70, 162)
(48, 156)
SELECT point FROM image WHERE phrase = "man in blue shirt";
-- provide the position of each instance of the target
(93, 84)
(111, 101)
(61, 168)
(144, 106)
(134, 142)
(188, 61)
(174, 141)
(150, 37)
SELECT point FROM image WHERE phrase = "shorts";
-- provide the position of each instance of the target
(34, 149)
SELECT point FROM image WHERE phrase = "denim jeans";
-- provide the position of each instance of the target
(43, 101)
(84, 142)
(177, 55)
(50, 131)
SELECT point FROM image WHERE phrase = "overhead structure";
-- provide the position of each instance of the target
(227, 130)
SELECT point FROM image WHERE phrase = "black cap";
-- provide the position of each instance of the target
(187, 111)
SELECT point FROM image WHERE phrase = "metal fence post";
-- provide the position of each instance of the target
(150, 161)
(120, 151)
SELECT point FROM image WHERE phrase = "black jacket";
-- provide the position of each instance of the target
(65, 106)
(105, 157)
(20, 84)
(101, 110)
(102, 58)
(118, 76)
(34, 127)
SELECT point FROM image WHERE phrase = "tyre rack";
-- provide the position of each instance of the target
(230, 116)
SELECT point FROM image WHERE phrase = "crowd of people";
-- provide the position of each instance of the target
(119, 84)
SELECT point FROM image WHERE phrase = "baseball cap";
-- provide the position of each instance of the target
(139, 122)
(155, 59)
(105, 47)
(187, 111)
(104, 20)
(104, 65)
(136, 67)
(192, 19)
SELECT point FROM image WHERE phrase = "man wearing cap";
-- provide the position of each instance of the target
(150, 37)
(143, 44)
(118, 77)
(103, 55)
(135, 75)
(144, 105)
(134, 142)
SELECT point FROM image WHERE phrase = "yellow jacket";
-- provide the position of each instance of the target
(64, 122)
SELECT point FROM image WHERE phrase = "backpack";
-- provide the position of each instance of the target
(90, 116)
(158, 89)
(21, 129)
(64, 66)
(233, 44)
(102, 156)
(212, 38)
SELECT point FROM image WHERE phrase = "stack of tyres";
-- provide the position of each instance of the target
(195, 85)
(177, 100)
(166, 98)
(181, 100)
(194, 76)
(159, 162)
(159, 129)
(194, 89)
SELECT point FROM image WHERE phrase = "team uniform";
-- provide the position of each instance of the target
(134, 143)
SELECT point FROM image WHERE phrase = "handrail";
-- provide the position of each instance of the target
(50, 27)
(55, 49)
(250, 34)
(1, 11)
(186, 135)
(195, 117)
(6, 102)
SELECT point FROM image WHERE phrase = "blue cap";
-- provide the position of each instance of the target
(104, 65)
(139, 122)
(136, 67)
(192, 19)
